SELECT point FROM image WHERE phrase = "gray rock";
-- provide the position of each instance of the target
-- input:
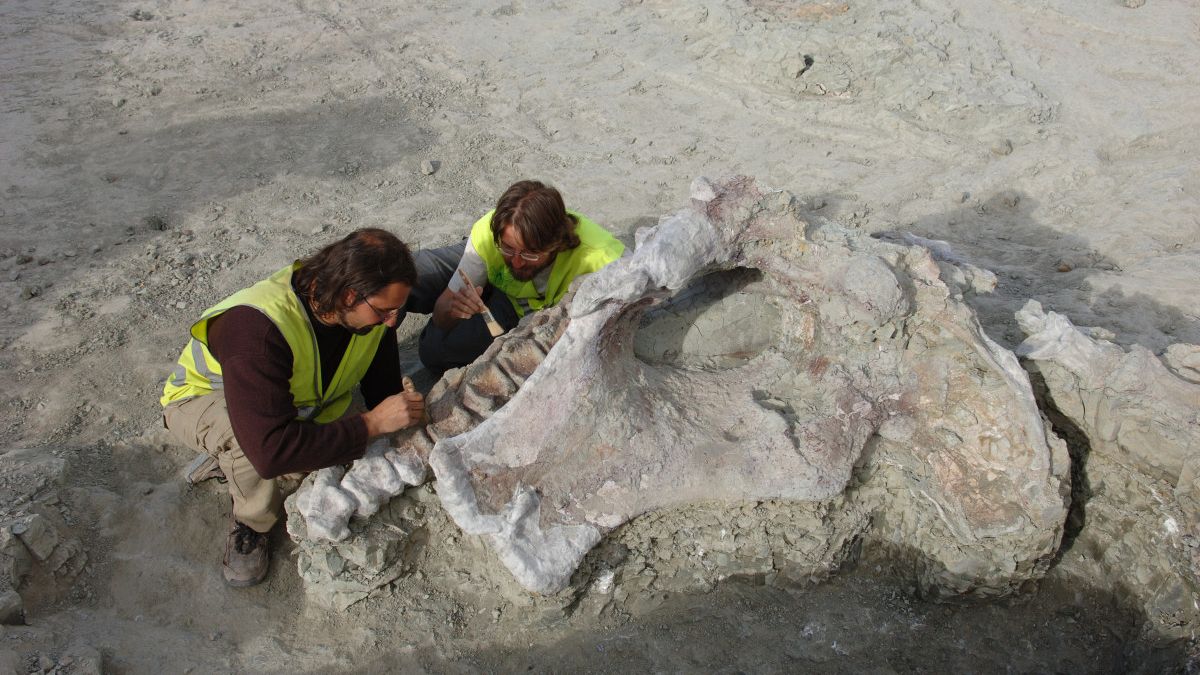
(38, 535)
(12, 608)
(82, 659)
(15, 560)
(1141, 421)
(11, 663)
(429, 166)
(1131, 406)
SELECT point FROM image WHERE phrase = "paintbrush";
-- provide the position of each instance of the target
(493, 326)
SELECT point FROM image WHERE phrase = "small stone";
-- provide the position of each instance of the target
(1003, 147)
(141, 15)
(12, 608)
(14, 275)
(117, 102)
(1134, 4)
(85, 660)
(428, 167)
(320, 229)
(1064, 267)
(38, 535)
(45, 663)
(24, 258)
(155, 90)
(30, 292)
(181, 305)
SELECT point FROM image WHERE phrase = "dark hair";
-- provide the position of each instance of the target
(365, 261)
(538, 213)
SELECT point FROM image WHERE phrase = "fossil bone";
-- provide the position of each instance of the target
(741, 354)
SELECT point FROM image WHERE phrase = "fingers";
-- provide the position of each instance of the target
(471, 293)
(414, 401)
(466, 304)
(477, 301)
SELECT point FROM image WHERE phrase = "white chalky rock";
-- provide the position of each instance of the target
(332, 498)
(372, 480)
(1135, 409)
(741, 355)
(325, 506)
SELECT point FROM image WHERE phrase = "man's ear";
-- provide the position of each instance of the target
(349, 296)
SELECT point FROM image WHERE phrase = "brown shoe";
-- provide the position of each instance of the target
(246, 556)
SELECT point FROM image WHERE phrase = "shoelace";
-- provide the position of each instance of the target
(245, 539)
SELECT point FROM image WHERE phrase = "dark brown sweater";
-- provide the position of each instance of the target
(256, 363)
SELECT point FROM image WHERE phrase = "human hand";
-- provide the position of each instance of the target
(394, 413)
(466, 302)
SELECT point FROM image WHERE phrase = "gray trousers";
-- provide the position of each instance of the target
(441, 350)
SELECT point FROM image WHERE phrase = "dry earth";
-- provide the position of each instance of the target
(159, 155)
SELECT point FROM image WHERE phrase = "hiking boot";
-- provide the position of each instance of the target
(202, 468)
(246, 557)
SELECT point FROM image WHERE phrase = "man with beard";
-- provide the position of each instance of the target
(263, 386)
(520, 257)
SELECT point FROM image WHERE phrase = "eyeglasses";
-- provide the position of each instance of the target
(383, 316)
(524, 255)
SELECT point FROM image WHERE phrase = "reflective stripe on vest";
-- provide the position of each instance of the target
(596, 249)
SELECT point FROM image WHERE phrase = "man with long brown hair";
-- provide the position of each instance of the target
(263, 386)
(520, 257)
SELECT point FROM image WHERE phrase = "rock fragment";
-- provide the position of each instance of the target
(38, 535)
(12, 608)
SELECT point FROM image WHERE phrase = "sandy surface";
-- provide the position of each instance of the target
(158, 156)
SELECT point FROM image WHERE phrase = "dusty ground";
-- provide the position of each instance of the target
(159, 155)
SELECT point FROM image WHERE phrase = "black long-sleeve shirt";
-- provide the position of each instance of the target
(256, 364)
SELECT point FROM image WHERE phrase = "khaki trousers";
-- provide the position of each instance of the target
(202, 424)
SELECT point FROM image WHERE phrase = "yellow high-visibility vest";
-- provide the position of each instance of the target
(197, 373)
(596, 249)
